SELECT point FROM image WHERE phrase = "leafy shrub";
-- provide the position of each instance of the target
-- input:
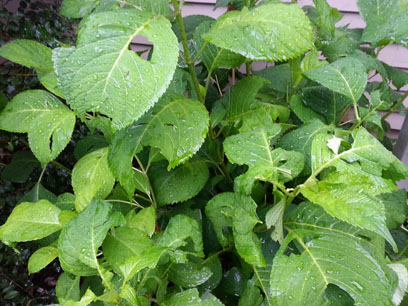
(202, 193)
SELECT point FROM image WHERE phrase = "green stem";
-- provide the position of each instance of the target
(126, 202)
(148, 181)
(190, 63)
(199, 52)
(356, 112)
(395, 106)
(358, 123)
(248, 69)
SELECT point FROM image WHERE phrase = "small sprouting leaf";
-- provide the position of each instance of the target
(102, 75)
(239, 212)
(92, 178)
(346, 76)
(212, 56)
(48, 122)
(31, 221)
(354, 267)
(79, 241)
(124, 242)
(266, 32)
(144, 220)
(68, 287)
(41, 258)
(177, 126)
(22, 165)
(179, 184)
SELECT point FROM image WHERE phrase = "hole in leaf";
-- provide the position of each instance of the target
(142, 46)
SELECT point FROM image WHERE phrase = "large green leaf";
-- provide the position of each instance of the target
(331, 252)
(346, 76)
(92, 178)
(212, 56)
(272, 32)
(48, 122)
(239, 212)
(33, 54)
(179, 184)
(102, 75)
(41, 258)
(177, 126)
(79, 241)
(31, 221)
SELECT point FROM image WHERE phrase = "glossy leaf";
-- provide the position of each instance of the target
(31, 221)
(190, 274)
(239, 212)
(100, 71)
(346, 76)
(79, 241)
(271, 32)
(304, 277)
(179, 184)
(48, 122)
(177, 126)
(92, 178)
(212, 56)
(41, 258)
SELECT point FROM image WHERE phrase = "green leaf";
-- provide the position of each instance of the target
(190, 274)
(79, 241)
(346, 76)
(22, 165)
(31, 221)
(48, 122)
(179, 184)
(92, 178)
(65, 201)
(41, 258)
(398, 77)
(124, 242)
(302, 111)
(38, 192)
(239, 212)
(178, 230)
(279, 76)
(89, 144)
(274, 217)
(330, 252)
(327, 17)
(67, 287)
(212, 56)
(144, 220)
(191, 297)
(82, 8)
(32, 54)
(300, 140)
(177, 126)
(251, 295)
(157, 7)
(396, 209)
(101, 71)
(266, 32)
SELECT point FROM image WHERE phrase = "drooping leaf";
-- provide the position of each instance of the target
(67, 287)
(124, 242)
(48, 122)
(31, 221)
(266, 32)
(177, 126)
(21, 166)
(303, 278)
(239, 212)
(178, 230)
(33, 54)
(212, 56)
(101, 75)
(179, 184)
(79, 241)
(92, 178)
(41, 258)
(346, 76)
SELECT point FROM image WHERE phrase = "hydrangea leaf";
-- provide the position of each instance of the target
(271, 32)
(92, 178)
(354, 267)
(41, 258)
(102, 75)
(177, 126)
(48, 122)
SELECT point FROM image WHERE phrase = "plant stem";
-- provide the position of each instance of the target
(395, 106)
(148, 181)
(190, 63)
(358, 123)
(248, 69)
